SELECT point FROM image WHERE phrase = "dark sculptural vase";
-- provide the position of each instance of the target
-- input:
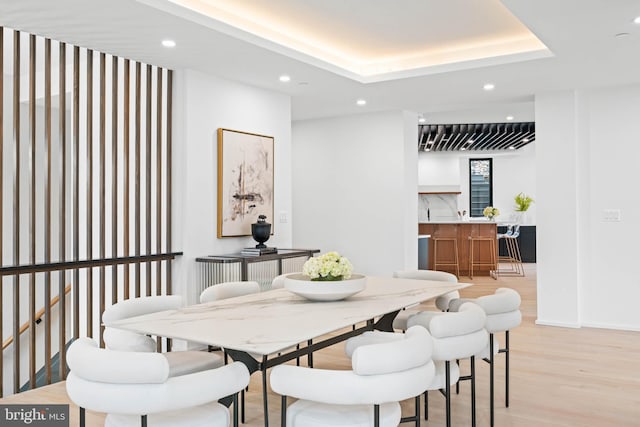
(261, 231)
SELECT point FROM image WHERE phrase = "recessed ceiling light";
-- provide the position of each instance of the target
(429, 142)
(361, 102)
(512, 148)
(284, 78)
(509, 118)
(422, 120)
(168, 43)
(463, 149)
(636, 20)
(489, 86)
(427, 149)
(525, 140)
(471, 141)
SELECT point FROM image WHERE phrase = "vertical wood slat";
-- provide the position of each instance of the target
(102, 185)
(62, 91)
(16, 209)
(89, 200)
(76, 189)
(137, 176)
(168, 184)
(1, 199)
(114, 176)
(159, 185)
(125, 207)
(148, 175)
(159, 179)
(32, 209)
(47, 207)
(169, 171)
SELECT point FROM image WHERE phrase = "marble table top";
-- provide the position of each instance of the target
(269, 322)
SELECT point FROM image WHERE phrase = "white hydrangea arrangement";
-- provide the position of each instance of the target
(328, 266)
(490, 212)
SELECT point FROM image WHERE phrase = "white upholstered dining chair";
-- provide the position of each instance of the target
(382, 375)
(442, 302)
(503, 314)
(455, 336)
(180, 362)
(278, 281)
(136, 388)
(226, 290)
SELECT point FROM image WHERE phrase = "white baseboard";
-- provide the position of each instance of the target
(611, 326)
(557, 324)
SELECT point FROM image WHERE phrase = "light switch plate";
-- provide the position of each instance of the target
(284, 217)
(611, 215)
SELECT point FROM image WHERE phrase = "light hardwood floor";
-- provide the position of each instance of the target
(559, 377)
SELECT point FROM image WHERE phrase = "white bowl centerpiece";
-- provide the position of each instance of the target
(327, 277)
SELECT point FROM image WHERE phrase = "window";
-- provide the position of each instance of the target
(480, 185)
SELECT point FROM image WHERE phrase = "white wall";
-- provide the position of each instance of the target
(587, 155)
(556, 232)
(203, 104)
(513, 172)
(354, 189)
(611, 283)
(437, 168)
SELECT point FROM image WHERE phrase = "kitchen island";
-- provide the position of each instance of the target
(461, 231)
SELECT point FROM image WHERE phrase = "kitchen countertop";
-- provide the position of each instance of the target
(472, 221)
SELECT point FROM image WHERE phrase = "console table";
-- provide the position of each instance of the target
(263, 268)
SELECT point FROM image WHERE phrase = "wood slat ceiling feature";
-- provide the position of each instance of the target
(476, 136)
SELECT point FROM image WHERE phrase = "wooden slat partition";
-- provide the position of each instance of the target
(127, 179)
(47, 207)
(16, 208)
(32, 209)
(114, 176)
(159, 178)
(62, 141)
(138, 184)
(72, 193)
(103, 190)
(148, 127)
(169, 170)
(76, 187)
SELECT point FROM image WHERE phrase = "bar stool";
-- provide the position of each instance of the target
(436, 253)
(492, 251)
(513, 253)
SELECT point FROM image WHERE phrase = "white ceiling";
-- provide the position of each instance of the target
(371, 40)
(580, 35)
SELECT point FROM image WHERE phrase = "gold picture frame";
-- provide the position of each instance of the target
(245, 181)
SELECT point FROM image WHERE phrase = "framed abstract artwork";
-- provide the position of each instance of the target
(245, 181)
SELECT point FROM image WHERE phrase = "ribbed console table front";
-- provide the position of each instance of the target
(263, 268)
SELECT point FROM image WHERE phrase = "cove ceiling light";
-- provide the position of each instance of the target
(358, 46)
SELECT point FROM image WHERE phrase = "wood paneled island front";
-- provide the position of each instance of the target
(461, 231)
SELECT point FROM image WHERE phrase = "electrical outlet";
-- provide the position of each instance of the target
(611, 215)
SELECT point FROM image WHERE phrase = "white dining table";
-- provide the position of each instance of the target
(267, 325)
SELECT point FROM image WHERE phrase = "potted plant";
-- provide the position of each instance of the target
(523, 202)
